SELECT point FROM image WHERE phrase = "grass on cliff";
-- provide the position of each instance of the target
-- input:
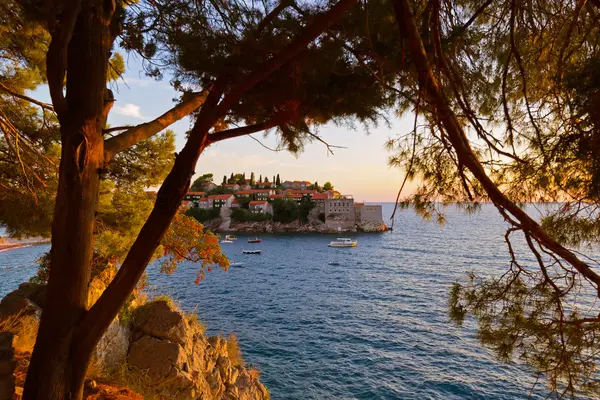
(234, 353)
(24, 328)
(136, 380)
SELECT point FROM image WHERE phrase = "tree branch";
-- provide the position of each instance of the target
(141, 132)
(244, 130)
(61, 24)
(170, 194)
(460, 142)
(320, 24)
(45, 106)
(273, 14)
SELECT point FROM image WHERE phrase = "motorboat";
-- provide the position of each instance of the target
(333, 263)
(251, 251)
(236, 264)
(255, 240)
(343, 242)
(226, 241)
(230, 237)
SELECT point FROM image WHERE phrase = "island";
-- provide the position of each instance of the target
(248, 205)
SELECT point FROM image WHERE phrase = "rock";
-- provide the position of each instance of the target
(112, 348)
(371, 226)
(99, 282)
(159, 319)
(24, 301)
(180, 362)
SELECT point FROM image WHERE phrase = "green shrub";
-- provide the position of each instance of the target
(243, 215)
(202, 215)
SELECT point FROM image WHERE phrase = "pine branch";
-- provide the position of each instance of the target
(141, 132)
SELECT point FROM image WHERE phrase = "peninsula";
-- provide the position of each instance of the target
(239, 204)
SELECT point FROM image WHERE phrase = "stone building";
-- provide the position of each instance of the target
(368, 212)
(339, 213)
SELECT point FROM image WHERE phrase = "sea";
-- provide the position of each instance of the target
(373, 326)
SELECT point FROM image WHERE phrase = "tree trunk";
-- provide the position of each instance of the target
(68, 332)
(56, 371)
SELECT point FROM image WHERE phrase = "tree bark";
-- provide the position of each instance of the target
(56, 371)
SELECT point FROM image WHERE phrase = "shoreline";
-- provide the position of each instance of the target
(221, 226)
(7, 243)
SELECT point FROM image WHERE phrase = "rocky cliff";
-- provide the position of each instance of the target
(155, 349)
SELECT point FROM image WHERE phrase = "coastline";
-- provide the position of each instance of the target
(7, 243)
(219, 225)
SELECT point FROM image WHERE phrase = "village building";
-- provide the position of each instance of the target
(339, 213)
(194, 196)
(263, 185)
(209, 186)
(220, 200)
(298, 185)
(231, 186)
(235, 204)
(260, 206)
(254, 194)
(204, 203)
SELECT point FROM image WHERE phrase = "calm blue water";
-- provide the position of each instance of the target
(374, 327)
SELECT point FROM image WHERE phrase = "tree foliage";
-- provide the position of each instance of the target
(202, 181)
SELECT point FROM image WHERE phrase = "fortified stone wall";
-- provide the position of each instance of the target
(370, 212)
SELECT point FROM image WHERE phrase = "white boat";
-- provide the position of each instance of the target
(251, 251)
(226, 241)
(333, 263)
(230, 237)
(343, 242)
(236, 264)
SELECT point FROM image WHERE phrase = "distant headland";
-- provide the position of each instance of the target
(241, 204)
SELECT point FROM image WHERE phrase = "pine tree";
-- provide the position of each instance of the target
(260, 178)
(224, 179)
(277, 181)
(252, 182)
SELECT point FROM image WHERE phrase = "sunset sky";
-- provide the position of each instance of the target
(359, 169)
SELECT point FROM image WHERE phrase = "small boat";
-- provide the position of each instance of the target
(231, 237)
(236, 264)
(226, 241)
(343, 242)
(251, 251)
(255, 240)
(333, 263)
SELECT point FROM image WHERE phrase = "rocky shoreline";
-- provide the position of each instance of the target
(315, 226)
(153, 350)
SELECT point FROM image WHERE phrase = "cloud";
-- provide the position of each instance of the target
(129, 110)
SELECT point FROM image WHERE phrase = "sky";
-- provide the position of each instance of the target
(359, 169)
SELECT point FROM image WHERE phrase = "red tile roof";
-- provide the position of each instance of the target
(196, 193)
(204, 199)
(276, 196)
(219, 197)
(252, 191)
(258, 202)
(320, 196)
